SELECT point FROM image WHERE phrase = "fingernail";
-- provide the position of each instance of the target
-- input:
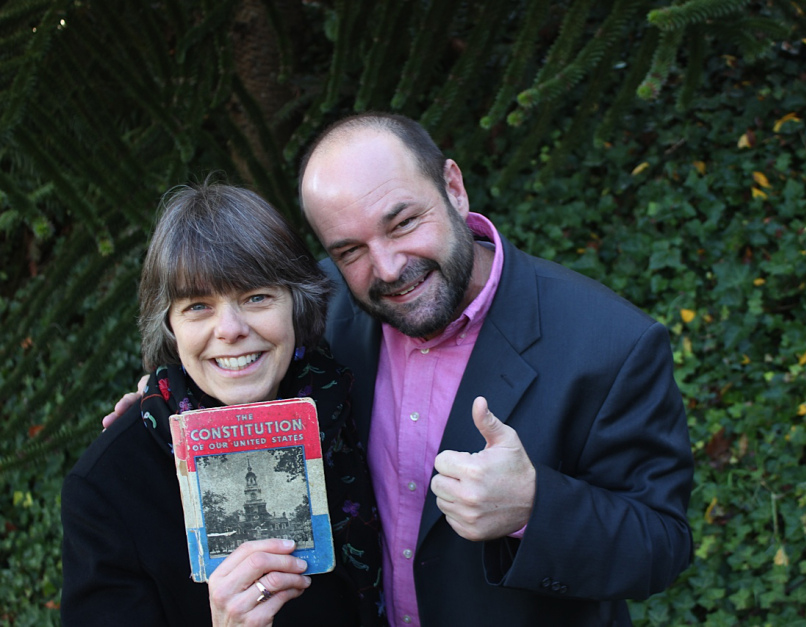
(307, 579)
(288, 544)
(302, 564)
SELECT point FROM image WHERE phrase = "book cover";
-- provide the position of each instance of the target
(250, 472)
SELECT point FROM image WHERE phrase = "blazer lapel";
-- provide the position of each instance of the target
(496, 369)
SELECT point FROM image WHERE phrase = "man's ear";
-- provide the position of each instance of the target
(455, 187)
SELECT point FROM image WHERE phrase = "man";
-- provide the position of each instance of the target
(527, 442)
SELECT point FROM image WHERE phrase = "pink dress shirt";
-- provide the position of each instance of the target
(415, 387)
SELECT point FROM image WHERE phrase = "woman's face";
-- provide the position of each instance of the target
(236, 346)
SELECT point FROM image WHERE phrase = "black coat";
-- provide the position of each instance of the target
(125, 556)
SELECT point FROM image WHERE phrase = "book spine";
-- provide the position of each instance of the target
(191, 500)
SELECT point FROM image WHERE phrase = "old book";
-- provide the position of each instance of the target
(250, 472)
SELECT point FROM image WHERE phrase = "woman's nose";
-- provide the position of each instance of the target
(231, 324)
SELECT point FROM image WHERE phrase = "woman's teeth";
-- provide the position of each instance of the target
(236, 363)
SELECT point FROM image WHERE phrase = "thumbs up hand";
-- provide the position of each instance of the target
(489, 494)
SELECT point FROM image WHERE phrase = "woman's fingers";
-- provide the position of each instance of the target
(235, 596)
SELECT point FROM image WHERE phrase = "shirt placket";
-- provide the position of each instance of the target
(415, 410)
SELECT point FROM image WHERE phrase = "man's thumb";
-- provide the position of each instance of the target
(493, 430)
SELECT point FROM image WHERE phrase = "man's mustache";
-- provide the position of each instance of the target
(421, 267)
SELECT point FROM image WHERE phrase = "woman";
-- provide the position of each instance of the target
(232, 306)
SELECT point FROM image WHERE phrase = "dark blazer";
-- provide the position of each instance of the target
(585, 378)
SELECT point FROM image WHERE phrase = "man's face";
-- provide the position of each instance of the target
(403, 249)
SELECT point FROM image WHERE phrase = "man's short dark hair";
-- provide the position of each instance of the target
(214, 239)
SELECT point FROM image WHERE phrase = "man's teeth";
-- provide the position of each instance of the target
(404, 292)
(236, 363)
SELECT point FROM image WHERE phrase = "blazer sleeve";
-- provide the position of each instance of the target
(616, 527)
(103, 582)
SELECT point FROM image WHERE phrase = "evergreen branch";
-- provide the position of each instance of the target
(602, 77)
(589, 57)
(305, 130)
(38, 449)
(662, 62)
(678, 17)
(284, 46)
(25, 79)
(114, 182)
(625, 97)
(423, 48)
(456, 84)
(145, 95)
(83, 346)
(520, 56)
(53, 171)
(19, 15)
(559, 54)
(210, 24)
(282, 192)
(694, 68)
(73, 286)
(154, 33)
(126, 317)
(14, 44)
(527, 148)
(265, 179)
(344, 14)
(381, 44)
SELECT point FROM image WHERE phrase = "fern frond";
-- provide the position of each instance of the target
(561, 51)
(680, 16)
(611, 31)
(639, 66)
(521, 55)
(474, 55)
(423, 48)
(694, 68)
(374, 60)
(662, 62)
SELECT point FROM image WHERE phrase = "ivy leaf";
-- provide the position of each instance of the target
(688, 315)
(640, 168)
(781, 558)
(757, 193)
(761, 179)
(789, 117)
(748, 140)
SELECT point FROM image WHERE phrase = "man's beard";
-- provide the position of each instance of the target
(422, 319)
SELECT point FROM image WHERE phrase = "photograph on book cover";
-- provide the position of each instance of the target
(254, 495)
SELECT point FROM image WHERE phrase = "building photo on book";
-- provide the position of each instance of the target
(250, 472)
(234, 489)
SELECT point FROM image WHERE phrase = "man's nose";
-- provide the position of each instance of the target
(387, 263)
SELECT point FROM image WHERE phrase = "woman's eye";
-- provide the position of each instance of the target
(257, 298)
(196, 307)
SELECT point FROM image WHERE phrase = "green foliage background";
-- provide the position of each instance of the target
(688, 200)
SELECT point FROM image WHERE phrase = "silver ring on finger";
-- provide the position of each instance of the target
(265, 593)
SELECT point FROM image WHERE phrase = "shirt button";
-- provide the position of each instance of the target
(406, 618)
(424, 351)
(412, 486)
(407, 554)
(415, 416)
